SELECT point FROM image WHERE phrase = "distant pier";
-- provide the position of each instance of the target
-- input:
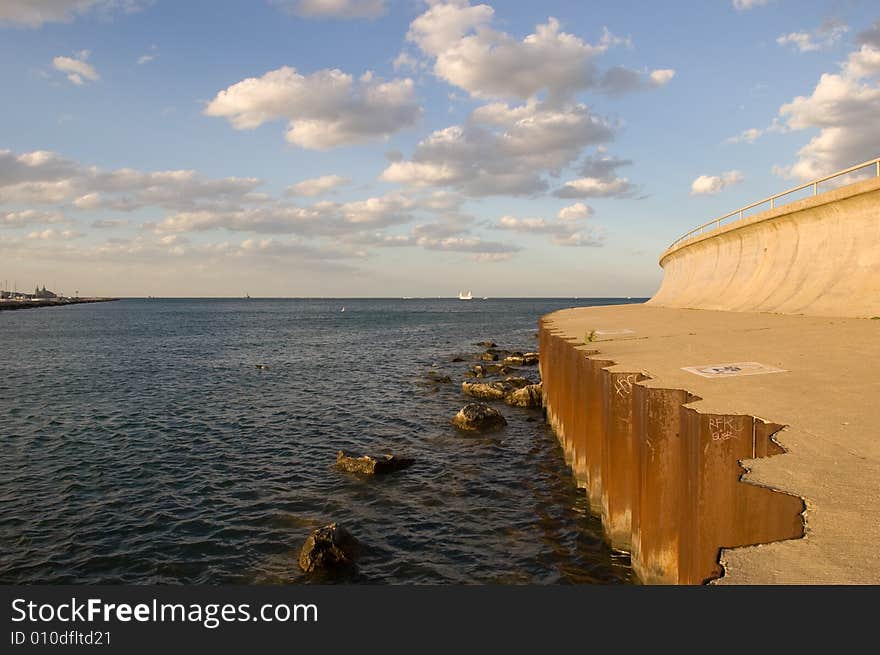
(6, 304)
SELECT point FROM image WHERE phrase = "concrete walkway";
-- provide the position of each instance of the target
(828, 396)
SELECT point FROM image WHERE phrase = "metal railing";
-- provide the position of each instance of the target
(716, 223)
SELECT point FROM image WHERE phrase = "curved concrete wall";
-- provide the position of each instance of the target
(818, 256)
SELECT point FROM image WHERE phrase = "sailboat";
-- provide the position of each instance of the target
(465, 295)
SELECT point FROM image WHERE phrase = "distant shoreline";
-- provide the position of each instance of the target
(50, 302)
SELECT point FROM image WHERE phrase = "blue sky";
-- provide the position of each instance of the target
(400, 147)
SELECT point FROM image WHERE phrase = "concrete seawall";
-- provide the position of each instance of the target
(689, 473)
(818, 256)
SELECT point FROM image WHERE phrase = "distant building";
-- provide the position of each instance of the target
(42, 294)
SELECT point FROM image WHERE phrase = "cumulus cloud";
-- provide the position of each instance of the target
(502, 149)
(844, 107)
(317, 186)
(76, 68)
(711, 184)
(323, 110)
(43, 177)
(825, 36)
(599, 179)
(30, 217)
(34, 13)
(562, 233)
(295, 248)
(468, 53)
(620, 80)
(52, 234)
(320, 219)
(746, 136)
(340, 9)
(575, 212)
(745, 5)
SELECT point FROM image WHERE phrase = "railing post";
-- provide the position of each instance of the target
(740, 214)
(815, 188)
(878, 168)
(772, 203)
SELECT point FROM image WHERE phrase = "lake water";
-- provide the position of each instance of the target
(142, 445)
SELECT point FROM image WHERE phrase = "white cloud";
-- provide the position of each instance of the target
(502, 149)
(745, 5)
(487, 63)
(620, 80)
(746, 136)
(563, 233)
(825, 36)
(320, 219)
(76, 68)
(661, 76)
(712, 184)
(34, 13)
(317, 185)
(295, 248)
(325, 109)
(29, 217)
(575, 212)
(43, 177)
(52, 234)
(405, 61)
(341, 9)
(599, 179)
(145, 59)
(844, 107)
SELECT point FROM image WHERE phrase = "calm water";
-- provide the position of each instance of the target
(142, 445)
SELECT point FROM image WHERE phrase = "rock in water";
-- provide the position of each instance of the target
(329, 547)
(489, 356)
(437, 378)
(486, 344)
(368, 465)
(517, 382)
(528, 396)
(514, 359)
(478, 417)
(485, 390)
(530, 358)
(487, 370)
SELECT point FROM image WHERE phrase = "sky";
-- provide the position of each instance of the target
(381, 148)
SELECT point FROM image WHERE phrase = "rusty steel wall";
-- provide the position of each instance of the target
(665, 478)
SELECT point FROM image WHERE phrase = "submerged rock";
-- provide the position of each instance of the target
(262, 367)
(527, 396)
(478, 417)
(329, 547)
(486, 344)
(489, 356)
(369, 465)
(517, 382)
(437, 378)
(488, 370)
(530, 358)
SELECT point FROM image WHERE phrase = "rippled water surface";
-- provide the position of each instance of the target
(142, 445)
